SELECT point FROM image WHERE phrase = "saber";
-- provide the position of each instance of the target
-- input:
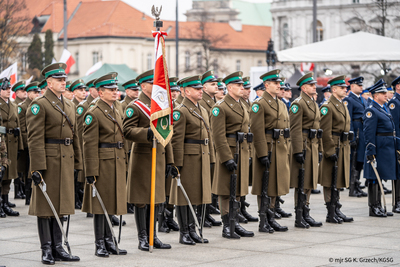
(120, 223)
(66, 233)
(42, 187)
(380, 184)
(178, 179)
(203, 218)
(107, 218)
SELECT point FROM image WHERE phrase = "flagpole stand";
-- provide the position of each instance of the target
(152, 193)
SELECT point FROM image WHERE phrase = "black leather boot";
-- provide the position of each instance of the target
(358, 186)
(209, 218)
(396, 204)
(162, 224)
(315, 191)
(383, 210)
(299, 221)
(331, 217)
(373, 201)
(140, 218)
(244, 212)
(214, 208)
(226, 231)
(130, 208)
(18, 194)
(340, 214)
(157, 242)
(98, 222)
(182, 216)
(58, 251)
(115, 221)
(265, 228)
(310, 220)
(279, 210)
(45, 240)
(385, 190)
(199, 212)
(241, 231)
(192, 229)
(274, 224)
(241, 218)
(28, 191)
(172, 225)
(6, 208)
(353, 192)
(108, 239)
(2, 214)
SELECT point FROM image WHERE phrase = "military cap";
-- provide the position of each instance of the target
(33, 86)
(357, 80)
(259, 87)
(338, 81)
(108, 81)
(348, 88)
(68, 85)
(378, 87)
(145, 77)
(282, 83)
(173, 83)
(131, 84)
(395, 82)
(366, 91)
(90, 84)
(208, 77)
(18, 86)
(272, 75)
(221, 85)
(389, 88)
(235, 77)
(306, 79)
(2, 80)
(55, 70)
(326, 89)
(246, 82)
(43, 84)
(287, 87)
(77, 84)
(192, 81)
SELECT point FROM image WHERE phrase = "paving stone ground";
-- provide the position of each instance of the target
(350, 244)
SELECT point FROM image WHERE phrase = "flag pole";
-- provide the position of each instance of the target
(158, 24)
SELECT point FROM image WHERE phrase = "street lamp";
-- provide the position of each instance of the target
(271, 55)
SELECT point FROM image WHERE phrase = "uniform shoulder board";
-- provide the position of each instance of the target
(82, 102)
(220, 102)
(297, 99)
(179, 106)
(133, 101)
(258, 99)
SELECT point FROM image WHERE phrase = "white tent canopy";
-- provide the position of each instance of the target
(355, 47)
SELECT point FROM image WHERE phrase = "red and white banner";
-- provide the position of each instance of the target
(11, 73)
(306, 67)
(161, 101)
(67, 58)
(94, 68)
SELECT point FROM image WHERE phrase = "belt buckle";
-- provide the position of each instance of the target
(120, 144)
(206, 141)
(281, 131)
(67, 141)
(10, 131)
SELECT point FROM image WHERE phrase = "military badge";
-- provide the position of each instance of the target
(35, 109)
(392, 106)
(176, 115)
(129, 112)
(345, 103)
(255, 108)
(369, 114)
(215, 111)
(88, 119)
(324, 111)
(79, 110)
(19, 110)
(294, 108)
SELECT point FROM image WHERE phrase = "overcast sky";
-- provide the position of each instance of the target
(168, 7)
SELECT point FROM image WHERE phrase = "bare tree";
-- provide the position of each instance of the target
(12, 25)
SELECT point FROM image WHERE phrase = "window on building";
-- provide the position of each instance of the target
(199, 60)
(285, 36)
(238, 65)
(77, 62)
(259, 63)
(23, 60)
(95, 56)
(149, 61)
(356, 1)
(320, 31)
(187, 60)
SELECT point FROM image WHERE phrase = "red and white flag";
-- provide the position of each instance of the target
(306, 67)
(11, 73)
(94, 68)
(161, 101)
(67, 58)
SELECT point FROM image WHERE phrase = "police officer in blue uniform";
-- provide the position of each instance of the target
(327, 93)
(356, 106)
(394, 108)
(287, 95)
(381, 146)
(259, 90)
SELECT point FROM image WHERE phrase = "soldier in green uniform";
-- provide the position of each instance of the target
(137, 129)
(78, 88)
(304, 129)
(193, 153)
(54, 152)
(105, 163)
(19, 183)
(181, 96)
(175, 90)
(221, 90)
(230, 120)
(33, 91)
(270, 126)
(335, 123)
(43, 86)
(68, 94)
(13, 140)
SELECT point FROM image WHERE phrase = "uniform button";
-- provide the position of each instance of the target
(63, 156)
(279, 142)
(63, 125)
(117, 157)
(203, 152)
(71, 157)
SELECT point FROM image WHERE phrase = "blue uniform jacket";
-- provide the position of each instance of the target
(287, 103)
(323, 101)
(378, 121)
(394, 108)
(356, 108)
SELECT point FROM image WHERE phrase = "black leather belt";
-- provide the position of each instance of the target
(118, 145)
(200, 142)
(231, 135)
(359, 120)
(10, 130)
(66, 141)
(386, 134)
(306, 131)
(336, 134)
